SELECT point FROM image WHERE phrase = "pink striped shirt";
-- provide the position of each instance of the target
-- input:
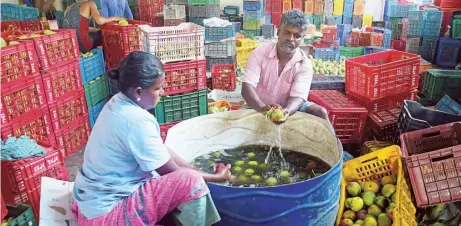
(262, 73)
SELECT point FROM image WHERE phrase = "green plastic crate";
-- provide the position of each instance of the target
(22, 215)
(425, 102)
(350, 52)
(252, 24)
(181, 107)
(203, 2)
(457, 28)
(317, 20)
(394, 24)
(250, 33)
(96, 90)
(439, 83)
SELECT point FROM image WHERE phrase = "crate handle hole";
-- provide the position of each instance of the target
(370, 160)
(441, 158)
(433, 134)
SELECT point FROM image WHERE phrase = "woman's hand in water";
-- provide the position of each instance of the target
(223, 173)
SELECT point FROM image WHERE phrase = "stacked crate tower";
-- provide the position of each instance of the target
(19, 18)
(252, 17)
(203, 9)
(185, 94)
(148, 10)
(174, 15)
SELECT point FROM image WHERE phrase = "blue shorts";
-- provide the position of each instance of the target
(305, 106)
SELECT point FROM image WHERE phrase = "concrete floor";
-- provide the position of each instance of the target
(73, 163)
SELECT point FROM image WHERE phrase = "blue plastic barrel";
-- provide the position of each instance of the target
(311, 202)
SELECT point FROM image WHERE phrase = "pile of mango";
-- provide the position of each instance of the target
(370, 203)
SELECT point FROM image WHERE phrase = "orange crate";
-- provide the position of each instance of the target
(223, 77)
(359, 8)
(309, 7)
(318, 7)
(376, 39)
(373, 167)
(18, 62)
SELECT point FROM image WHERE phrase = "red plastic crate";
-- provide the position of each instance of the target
(298, 4)
(395, 100)
(57, 49)
(347, 116)
(448, 3)
(398, 44)
(119, 41)
(65, 111)
(147, 12)
(35, 124)
(184, 76)
(164, 129)
(3, 210)
(276, 19)
(382, 74)
(21, 180)
(268, 6)
(21, 98)
(329, 34)
(447, 17)
(10, 26)
(31, 25)
(74, 137)
(223, 77)
(18, 62)
(276, 8)
(376, 39)
(353, 40)
(62, 82)
(150, 2)
(382, 125)
(157, 21)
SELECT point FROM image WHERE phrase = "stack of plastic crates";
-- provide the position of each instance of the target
(174, 15)
(344, 30)
(119, 41)
(207, 9)
(244, 49)
(416, 20)
(253, 15)
(432, 24)
(21, 180)
(220, 45)
(429, 153)
(447, 54)
(147, 11)
(347, 116)
(348, 11)
(439, 83)
(412, 44)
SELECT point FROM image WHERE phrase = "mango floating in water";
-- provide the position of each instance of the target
(374, 210)
(216, 154)
(256, 178)
(370, 221)
(356, 204)
(384, 220)
(387, 180)
(251, 155)
(262, 167)
(271, 181)
(359, 222)
(48, 32)
(349, 214)
(370, 186)
(249, 172)
(353, 188)
(346, 222)
(239, 163)
(3, 42)
(242, 179)
(382, 202)
(252, 163)
(284, 174)
(277, 115)
(388, 190)
(361, 214)
(368, 198)
(13, 43)
(237, 169)
(123, 22)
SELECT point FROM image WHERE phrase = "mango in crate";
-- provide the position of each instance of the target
(123, 22)
(35, 36)
(13, 43)
(22, 37)
(3, 42)
(48, 32)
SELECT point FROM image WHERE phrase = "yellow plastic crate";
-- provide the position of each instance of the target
(252, 24)
(338, 7)
(367, 20)
(247, 43)
(243, 54)
(374, 166)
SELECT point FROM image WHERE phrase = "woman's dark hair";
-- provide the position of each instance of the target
(138, 69)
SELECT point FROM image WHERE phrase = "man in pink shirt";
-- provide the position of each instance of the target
(281, 73)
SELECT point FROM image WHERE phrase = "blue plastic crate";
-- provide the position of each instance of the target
(253, 15)
(93, 66)
(267, 18)
(28, 13)
(10, 12)
(347, 19)
(387, 5)
(331, 54)
(237, 26)
(446, 104)
(372, 49)
(427, 49)
(416, 22)
(252, 6)
(387, 38)
(93, 112)
(231, 10)
(432, 24)
(348, 8)
(398, 10)
(343, 31)
(447, 52)
(219, 33)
